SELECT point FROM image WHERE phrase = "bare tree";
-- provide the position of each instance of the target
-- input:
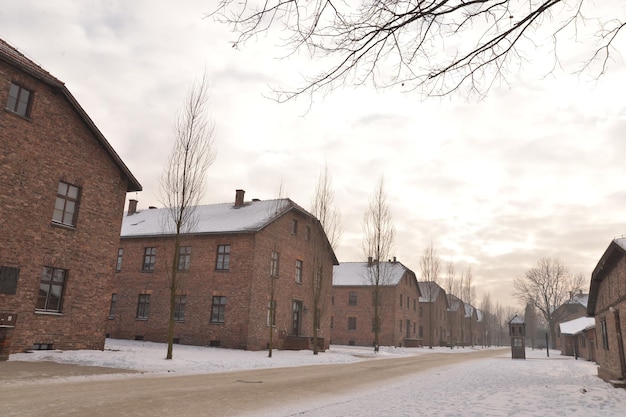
(487, 309)
(273, 211)
(325, 210)
(546, 287)
(468, 294)
(430, 266)
(530, 318)
(451, 289)
(183, 182)
(379, 235)
(434, 47)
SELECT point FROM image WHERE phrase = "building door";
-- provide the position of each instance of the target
(297, 317)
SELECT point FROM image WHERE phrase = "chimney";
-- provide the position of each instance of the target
(152, 207)
(369, 261)
(132, 207)
(239, 198)
(394, 260)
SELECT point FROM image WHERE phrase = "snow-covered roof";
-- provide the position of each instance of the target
(214, 218)
(454, 303)
(359, 273)
(469, 310)
(579, 299)
(516, 320)
(621, 241)
(429, 290)
(576, 326)
(480, 315)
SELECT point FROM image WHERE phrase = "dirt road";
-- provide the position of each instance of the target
(225, 394)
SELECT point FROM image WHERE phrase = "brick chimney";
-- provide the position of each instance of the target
(239, 198)
(132, 207)
(369, 261)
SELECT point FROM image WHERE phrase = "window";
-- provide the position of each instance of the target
(143, 306)
(298, 271)
(351, 323)
(605, 334)
(112, 305)
(118, 264)
(149, 258)
(401, 300)
(184, 256)
(421, 311)
(307, 233)
(271, 313)
(332, 322)
(400, 325)
(352, 298)
(8, 279)
(218, 310)
(223, 258)
(179, 308)
(407, 302)
(421, 333)
(294, 227)
(414, 303)
(274, 264)
(51, 289)
(19, 100)
(66, 204)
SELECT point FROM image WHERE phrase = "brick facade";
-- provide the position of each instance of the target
(433, 303)
(55, 141)
(607, 303)
(353, 307)
(456, 321)
(245, 284)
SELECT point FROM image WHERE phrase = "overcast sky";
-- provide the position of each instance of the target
(533, 170)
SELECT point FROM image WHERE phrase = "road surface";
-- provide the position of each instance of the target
(223, 394)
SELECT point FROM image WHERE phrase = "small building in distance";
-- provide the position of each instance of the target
(353, 304)
(577, 338)
(433, 313)
(245, 271)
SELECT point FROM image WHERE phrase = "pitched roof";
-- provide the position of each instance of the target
(469, 310)
(14, 57)
(358, 273)
(430, 291)
(480, 315)
(516, 320)
(576, 326)
(212, 218)
(613, 253)
(454, 303)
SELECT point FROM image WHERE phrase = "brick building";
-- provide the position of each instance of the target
(470, 335)
(62, 192)
(353, 305)
(607, 303)
(575, 307)
(577, 339)
(433, 306)
(227, 267)
(456, 320)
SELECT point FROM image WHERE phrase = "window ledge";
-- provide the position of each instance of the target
(48, 313)
(21, 116)
(63, 226)
(141, 319)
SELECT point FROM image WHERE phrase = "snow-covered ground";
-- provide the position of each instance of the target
(538, 386)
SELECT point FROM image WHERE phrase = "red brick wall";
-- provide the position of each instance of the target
(391, 315)
(246, 287)
(611, 296)
(439, 321)
(55, 144)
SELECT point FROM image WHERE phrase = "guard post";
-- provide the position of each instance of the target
(517, 331)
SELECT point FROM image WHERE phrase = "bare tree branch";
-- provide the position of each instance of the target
(183, 182)
(433, 47)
